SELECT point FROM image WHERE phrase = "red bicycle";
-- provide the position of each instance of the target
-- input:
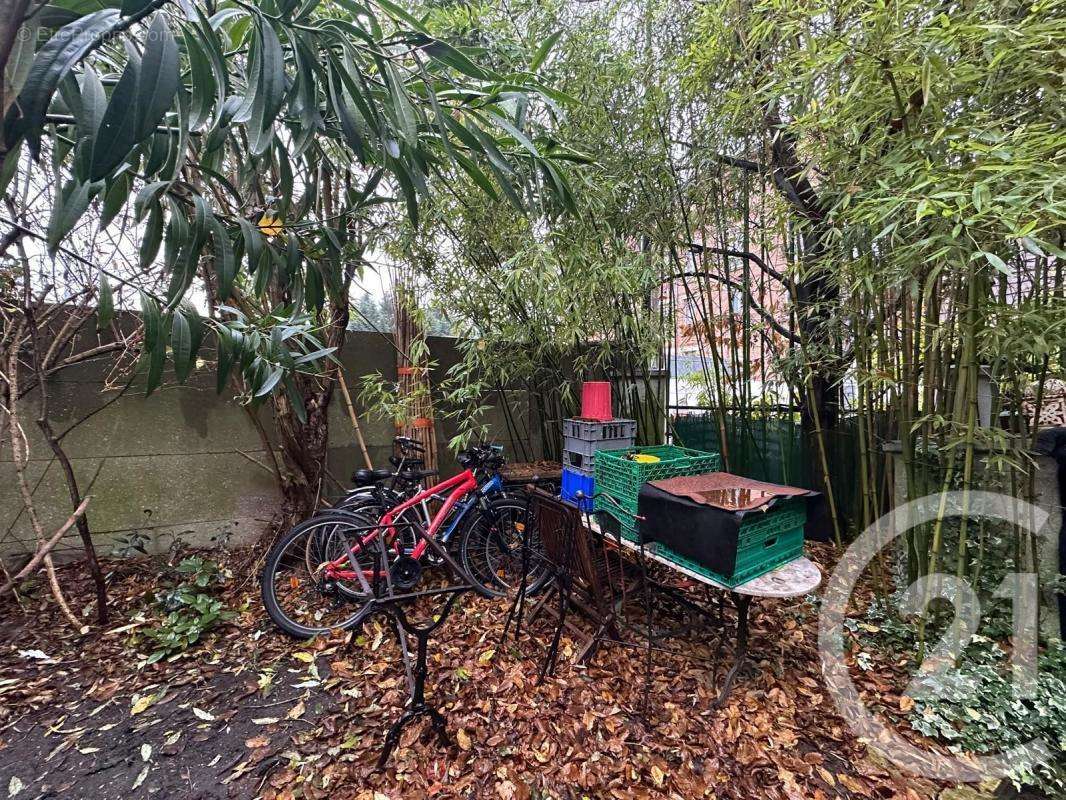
(325, 573)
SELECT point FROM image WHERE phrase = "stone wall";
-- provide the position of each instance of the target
(181, 464)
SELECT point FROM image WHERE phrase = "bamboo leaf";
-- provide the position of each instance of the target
(20, 60)
(156, 357)
(315, 355)
(147, 196)
(93, 103)
(446, 54)
(131, 7)
(118, 192)
(346, 115)
(225, 359)
(253, 243)
(396, 12)
(160, 77)
(296, 399)
(997, 262)
(153, 237)
(399, 170)
(543, 51)
(271, 381)
(203, 84)
(225, 262)
(143, 94)
(269, 90)
(73, 202)
(197, 329)
(314, 291)
(150, 314)
(189, 258)
(403, 111)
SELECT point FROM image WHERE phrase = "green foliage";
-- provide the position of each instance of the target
(976, 710)
(226, 115)
(269, 349)
(542, 299)
(973, 707)
(187, 609)
(934, 137)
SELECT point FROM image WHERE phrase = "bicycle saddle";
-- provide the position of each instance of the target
(368, 477)
(416, 475)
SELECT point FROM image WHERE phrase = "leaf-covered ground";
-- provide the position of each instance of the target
(249, 713)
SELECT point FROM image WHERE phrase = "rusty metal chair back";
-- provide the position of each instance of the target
(556, 524)
(581, 552)
(582, 573)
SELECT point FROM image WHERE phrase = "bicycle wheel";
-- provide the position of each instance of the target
(296, 594)
(491, 550)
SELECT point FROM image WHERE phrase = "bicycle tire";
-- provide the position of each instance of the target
(477, 536)
(322, 525)
(366, 501)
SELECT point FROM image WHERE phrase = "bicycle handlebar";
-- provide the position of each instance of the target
(481, 456)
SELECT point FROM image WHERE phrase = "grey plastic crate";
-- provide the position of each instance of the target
(578, 462)
(590, 448)
(592, 431)
(581, 455)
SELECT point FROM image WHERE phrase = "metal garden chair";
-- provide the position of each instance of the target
(582, 576)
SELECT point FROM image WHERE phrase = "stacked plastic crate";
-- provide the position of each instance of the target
(596, 430)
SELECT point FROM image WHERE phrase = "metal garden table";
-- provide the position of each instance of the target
(793, 579)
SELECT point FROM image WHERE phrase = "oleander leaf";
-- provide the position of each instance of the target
(58, 56)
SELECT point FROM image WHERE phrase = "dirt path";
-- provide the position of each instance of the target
(211, 734)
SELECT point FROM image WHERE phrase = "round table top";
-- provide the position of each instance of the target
(790, 580)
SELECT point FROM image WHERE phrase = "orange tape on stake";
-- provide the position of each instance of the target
(422, 422)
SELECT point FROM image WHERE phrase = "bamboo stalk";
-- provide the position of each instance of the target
(354, 419)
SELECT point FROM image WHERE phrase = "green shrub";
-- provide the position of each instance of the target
(188, 608)
(975, 710)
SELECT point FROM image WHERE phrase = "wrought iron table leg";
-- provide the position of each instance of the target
(742, 601)
(418, 707)
(648, 632)
(404, 652)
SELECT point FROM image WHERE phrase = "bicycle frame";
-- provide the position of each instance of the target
(458, 487)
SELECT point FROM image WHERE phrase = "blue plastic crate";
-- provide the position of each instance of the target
(574, 482)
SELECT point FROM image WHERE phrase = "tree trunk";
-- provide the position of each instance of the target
(83, 522)
(304, 446)
(45, 424)
(815, 296)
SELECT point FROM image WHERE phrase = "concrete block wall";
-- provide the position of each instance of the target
(180, 464)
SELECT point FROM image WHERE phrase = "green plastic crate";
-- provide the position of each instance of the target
(621, 478)
(784, 516)
(765, 542)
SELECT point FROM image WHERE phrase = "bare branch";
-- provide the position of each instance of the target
(44, 548)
